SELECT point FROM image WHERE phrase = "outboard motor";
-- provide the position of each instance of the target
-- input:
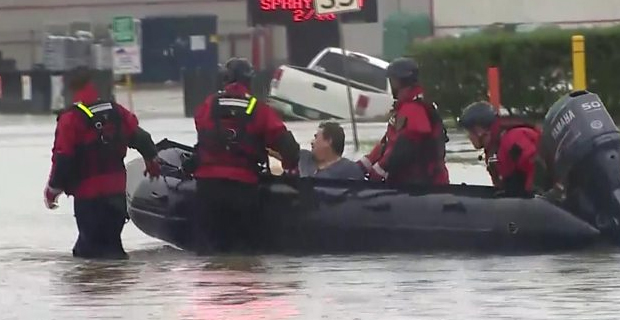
(581, 147)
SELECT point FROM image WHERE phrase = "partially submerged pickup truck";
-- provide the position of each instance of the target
(319, 92)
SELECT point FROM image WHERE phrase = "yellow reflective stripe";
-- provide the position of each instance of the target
(85, 109)
(251, 106)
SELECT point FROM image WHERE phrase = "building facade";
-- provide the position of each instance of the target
(23, 23)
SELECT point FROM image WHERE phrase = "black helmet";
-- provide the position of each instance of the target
(238, 70)
(479, 113)
(403, 69)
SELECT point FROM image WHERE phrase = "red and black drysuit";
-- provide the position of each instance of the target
(511, 155)
(413, 149)
(234, 129)
(90, 144)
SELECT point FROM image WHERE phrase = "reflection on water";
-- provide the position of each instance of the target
(239, 288)
(99, 278)
(165, 283)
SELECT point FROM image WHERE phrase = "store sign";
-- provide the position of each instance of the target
(284, 12)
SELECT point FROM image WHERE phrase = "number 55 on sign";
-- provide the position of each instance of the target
(337, 6)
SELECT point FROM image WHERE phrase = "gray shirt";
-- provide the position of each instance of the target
(342, 169)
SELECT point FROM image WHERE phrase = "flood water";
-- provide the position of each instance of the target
(39, 279)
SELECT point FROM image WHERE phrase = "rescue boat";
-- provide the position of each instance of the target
(315, 216)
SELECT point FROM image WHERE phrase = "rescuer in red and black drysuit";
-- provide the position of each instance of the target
(234, 130)
(90, 145)
(414, 147)
(510, 146)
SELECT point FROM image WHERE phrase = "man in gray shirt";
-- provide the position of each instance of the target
(325, 159)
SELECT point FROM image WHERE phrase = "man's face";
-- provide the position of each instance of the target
(479, 137)
(321, 147)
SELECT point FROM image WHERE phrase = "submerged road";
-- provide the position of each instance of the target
(40, 280)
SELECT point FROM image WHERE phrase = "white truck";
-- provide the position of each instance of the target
(319, 91)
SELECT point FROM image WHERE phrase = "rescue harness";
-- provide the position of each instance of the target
(236, 141)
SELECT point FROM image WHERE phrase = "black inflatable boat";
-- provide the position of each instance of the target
(306, 215)
(580, 146)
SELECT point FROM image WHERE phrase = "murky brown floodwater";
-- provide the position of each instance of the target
(40, 280)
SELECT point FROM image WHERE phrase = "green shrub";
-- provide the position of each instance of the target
(535, 68)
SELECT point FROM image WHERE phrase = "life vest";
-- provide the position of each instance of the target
(431, 158)
(224, 140)
(496, 134)
(435, 148)
(103, 152)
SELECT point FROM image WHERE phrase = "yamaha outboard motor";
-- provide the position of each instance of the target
(581, 147)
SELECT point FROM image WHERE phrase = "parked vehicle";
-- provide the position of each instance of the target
(319, 91)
